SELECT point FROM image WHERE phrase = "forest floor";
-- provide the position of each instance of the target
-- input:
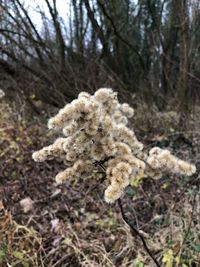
(42, 224)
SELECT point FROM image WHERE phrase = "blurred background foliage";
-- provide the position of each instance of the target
(148, 48)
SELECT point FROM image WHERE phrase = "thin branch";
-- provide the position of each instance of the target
(98, 29)
(135, 232)
(118, 35)
(59, 36)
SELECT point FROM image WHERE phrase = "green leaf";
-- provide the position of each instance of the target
(168, 258)
(67, 241)
(138, 263)
(18, 255)
(2, 254)
(130, 192)
(25, 264)
(136, 181)
(196, 248)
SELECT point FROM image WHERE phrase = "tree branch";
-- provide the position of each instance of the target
(119, 36)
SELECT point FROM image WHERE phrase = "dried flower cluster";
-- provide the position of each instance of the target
(95, 130)
(163, 160)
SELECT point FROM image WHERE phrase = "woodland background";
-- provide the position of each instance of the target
(148, 47)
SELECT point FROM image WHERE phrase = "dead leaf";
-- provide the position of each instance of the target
(1, 205)
(117, 245)
(26, 204)
(56, 193)
(55, 225)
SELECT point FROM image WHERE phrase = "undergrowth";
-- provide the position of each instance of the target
(72, 226)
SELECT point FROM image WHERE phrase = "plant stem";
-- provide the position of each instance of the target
(135, 232)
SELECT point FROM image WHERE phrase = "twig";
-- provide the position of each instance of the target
(100, 164)
(137, 233)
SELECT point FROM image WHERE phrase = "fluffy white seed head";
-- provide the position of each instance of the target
(95, 130)
(127, 110)
(163, 160)
(2, 94)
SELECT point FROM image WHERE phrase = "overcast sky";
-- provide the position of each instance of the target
(62, 5)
